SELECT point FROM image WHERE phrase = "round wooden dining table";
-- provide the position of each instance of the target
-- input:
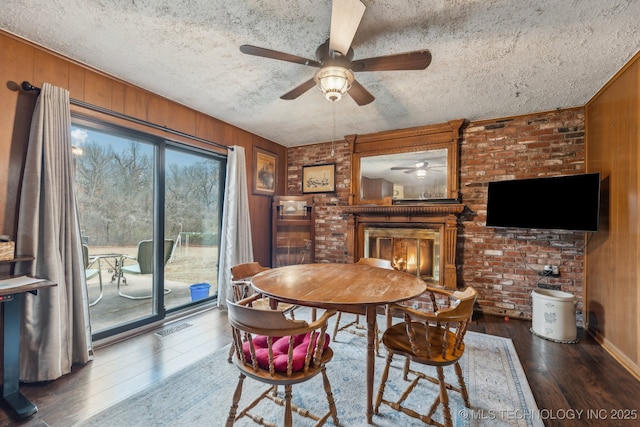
(352, 288)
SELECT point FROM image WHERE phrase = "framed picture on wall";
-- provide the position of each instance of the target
(265, 172)
(319, 178)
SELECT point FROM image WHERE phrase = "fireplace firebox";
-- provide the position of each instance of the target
(413, 250)
(418, 239)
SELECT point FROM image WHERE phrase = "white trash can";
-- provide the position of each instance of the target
(554, 315)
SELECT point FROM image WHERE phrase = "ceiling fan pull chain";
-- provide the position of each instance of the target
(334, 129)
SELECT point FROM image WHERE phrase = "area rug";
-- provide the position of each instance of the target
(200, 395)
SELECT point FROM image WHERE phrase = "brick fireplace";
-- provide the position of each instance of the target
(418, 239)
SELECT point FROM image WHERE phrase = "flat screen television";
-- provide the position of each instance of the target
(568, 202)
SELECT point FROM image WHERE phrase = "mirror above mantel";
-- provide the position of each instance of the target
(405, 177)
(407, 166)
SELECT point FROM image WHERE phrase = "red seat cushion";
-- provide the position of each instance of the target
(280, 350)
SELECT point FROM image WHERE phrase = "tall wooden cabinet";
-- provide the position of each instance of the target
(293, 231)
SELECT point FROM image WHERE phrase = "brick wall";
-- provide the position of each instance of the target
(331, 224)
(501, 263)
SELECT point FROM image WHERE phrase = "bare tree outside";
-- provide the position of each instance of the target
(115, 196)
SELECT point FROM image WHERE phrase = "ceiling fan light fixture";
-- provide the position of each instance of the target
(421, 173)
(334, 81)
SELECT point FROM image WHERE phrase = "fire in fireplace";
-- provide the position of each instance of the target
(413, 250)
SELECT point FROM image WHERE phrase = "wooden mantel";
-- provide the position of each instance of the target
(387, 213)
(406, 210)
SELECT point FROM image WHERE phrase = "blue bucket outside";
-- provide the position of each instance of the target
(199, 291)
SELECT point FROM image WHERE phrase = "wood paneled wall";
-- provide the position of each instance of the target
(613, 276)
(22, 61)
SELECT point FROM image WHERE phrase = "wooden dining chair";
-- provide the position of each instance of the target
(435, 339)
(241, 275)
(355, 327)
(273, 349)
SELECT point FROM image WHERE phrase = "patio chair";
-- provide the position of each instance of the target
(434, 338)
(90, 271)
(272, 349)
(355, 327)
(143, 265)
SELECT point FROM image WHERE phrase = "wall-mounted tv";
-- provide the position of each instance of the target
(568, 202)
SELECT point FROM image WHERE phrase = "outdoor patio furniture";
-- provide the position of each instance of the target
(143, 265)
(90, 262)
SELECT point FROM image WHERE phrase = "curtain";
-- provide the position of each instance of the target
(236, 246)
(55, 330)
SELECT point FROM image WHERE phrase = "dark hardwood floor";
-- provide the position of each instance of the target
(573, 384)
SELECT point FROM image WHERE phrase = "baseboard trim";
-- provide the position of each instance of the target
(620, 357)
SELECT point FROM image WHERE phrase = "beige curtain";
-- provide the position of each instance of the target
(55, 331)
(236, 246)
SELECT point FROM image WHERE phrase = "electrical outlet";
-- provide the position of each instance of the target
(550, 271)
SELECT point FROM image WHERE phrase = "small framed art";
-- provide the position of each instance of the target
(265, 172)
(319, 178)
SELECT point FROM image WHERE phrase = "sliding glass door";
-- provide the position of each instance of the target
(149, 215)
(193, 205)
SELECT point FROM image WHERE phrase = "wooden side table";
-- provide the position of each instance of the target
(11, 298)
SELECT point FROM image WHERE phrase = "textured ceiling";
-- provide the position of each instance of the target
(491, 58)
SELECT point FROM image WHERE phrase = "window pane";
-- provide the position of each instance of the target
(114, 191)
(192, 220)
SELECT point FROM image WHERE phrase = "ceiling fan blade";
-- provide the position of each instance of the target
(411, 171)
(345, 19)
(360, 94)
(299, 90)
(401, 168)
(274, 54)
(418, 60)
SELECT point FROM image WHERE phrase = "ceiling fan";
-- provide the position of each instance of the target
(335, 58)
(419, 168)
